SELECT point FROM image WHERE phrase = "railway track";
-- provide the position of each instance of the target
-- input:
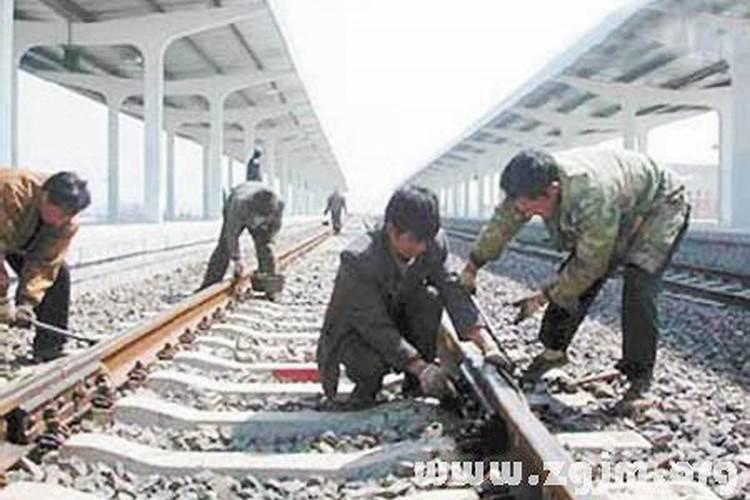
(218, 398)
(712, 284)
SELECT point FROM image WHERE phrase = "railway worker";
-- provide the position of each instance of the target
(253, 164)
(387, 302)
(609, 208)
(336, 204)
(254, 207)
(37, 223)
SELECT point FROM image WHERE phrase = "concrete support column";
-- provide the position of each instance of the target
(114, 102)
(735, 148)
(171, 211)
(456, 198)
(628, 124)
(153, 101)
(8, 95)
(215, 151)
(494, 188)
(230, 172)
(284, 176)
(481, 198)
(467, 196)
(271, 155)
(206, 181)
(642, 137)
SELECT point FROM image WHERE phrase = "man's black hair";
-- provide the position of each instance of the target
(67, 191)
(529, 173)
(416, 210)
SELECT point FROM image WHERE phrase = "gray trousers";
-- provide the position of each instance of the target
(418, 322)
(219, 261)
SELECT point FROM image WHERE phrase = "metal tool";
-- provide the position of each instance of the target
(62, 331)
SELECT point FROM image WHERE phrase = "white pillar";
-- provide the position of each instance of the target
(7, 84)
(628, 124)
(467, 196)
(643, 141)
(735, 148)
(456, 198)
(206, 181)
(215, 151)
(230, 172)
(153, 102)
(283, 176)
(114, 102)
(481, 198)
(494, 187)
(270, 155)
(171, 203)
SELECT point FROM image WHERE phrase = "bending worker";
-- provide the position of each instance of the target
(609, 209)
(385, 309)
(37, 223)
(253, 207)
(336, 204)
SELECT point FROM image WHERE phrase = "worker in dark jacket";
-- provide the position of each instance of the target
(387, 302)
(253, 165)
(253, 207)
(336, 204)
(37, 223)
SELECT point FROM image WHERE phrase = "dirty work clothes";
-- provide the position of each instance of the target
(336, 204)
(383, 314)
(52, 310)
(253, 207)
(615, 207)
(22, 232)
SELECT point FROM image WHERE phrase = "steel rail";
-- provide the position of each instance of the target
(68, 387)
(530, 441)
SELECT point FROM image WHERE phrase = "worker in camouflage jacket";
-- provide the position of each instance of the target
(37, 223)
(250, 206)
(336, 204)
(609, 208)
(386, 306)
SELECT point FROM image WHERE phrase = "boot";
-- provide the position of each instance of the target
(543, 363)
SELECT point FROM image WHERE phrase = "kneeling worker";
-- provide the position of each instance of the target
(386, 306)
(609, 208)
(37, 224)
(250, 206)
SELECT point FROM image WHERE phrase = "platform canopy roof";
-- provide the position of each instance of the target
(648, 64)
(249, 54)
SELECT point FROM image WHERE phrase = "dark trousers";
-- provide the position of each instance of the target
(336, 220)
(52, 310)
(219, 261)
(640, 317)
(640, 320)
(418, 322)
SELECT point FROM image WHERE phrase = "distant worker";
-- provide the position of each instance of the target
(37, 223)
(608, 208)
(336, 204)
(254, 207)
(386, 306)
(253, 164)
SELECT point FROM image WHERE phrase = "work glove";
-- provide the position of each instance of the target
(239, 270)
(6, 311)
(25, 316)
(436, 382)
(469, 278)
(497, 359)
(528, 306)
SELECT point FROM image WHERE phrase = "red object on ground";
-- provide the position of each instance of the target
(297, 374)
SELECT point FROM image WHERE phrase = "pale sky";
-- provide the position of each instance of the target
(392, 81)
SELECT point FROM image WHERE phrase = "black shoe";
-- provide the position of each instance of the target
(638, 389)
(48, 355)
(543, 363)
